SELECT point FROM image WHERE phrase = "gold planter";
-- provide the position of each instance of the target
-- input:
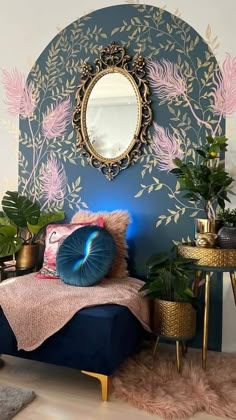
(176, 320)
(27, 256)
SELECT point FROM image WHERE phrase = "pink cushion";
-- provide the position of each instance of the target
(55, 235)
(116, 222)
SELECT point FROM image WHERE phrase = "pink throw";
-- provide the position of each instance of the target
(36, 309)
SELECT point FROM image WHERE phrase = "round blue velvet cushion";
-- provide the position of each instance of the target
(85, 256)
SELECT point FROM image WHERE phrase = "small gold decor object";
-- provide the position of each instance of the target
(206, 240)
(174, 319)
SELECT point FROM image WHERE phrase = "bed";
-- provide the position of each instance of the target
(96, 339)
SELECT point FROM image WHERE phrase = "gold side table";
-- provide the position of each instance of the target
(207, 261)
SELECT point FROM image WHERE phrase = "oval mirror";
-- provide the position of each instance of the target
(112, 114)
(113, 111)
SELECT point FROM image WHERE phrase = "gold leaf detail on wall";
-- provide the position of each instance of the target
(208, 32)
(11, 127)
(177, 13)
(211, 39)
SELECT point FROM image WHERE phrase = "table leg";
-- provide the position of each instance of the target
(206, 319)
(155, 346)
(233, 282)
(196, 281)
(178, 355)
(184, 347)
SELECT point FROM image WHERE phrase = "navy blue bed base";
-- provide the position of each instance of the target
(97, 339)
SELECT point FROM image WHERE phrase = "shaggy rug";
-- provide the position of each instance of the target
(12, 400)
(156, 386)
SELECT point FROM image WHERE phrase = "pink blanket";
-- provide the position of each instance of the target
(36, 309)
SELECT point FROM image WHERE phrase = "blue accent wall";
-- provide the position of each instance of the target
(159, 213)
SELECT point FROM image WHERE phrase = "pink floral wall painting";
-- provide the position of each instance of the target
(191, 98)
(170, 86)
(46, 180)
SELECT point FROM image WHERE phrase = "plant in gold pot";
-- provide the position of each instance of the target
(174, 304)
(21, 223)
(206, 182)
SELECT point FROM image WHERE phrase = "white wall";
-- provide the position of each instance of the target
(26, 27)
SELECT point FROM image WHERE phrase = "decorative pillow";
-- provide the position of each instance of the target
(116, 222)
(85, 256)
(55, 235)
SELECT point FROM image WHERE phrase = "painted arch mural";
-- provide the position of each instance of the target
(188, 94)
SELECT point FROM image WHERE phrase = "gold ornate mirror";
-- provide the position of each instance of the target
(113, 111)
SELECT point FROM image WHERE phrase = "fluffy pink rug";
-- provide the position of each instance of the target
(158, 388)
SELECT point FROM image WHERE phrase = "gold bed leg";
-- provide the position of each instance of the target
(103, 380)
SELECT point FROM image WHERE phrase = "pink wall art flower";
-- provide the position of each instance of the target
(166, 79)
(167, 82)
(53, 181)
(166, 148)
(224, 93)
(57, 119)
(20, 98)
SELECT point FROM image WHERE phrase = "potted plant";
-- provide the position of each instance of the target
(21, 223)
(206, 183)
(227, 234)
(174, 303)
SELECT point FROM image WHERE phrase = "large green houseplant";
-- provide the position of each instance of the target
(169, 278)
(206, 182)
(174, 303)
(21, 222)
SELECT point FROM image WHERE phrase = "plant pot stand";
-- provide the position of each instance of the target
(180, 348)
(173, 321)
(208, 261)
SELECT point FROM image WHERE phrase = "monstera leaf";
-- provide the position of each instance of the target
(4, 221)
(45, 219)
(9, 243)
(19, 209)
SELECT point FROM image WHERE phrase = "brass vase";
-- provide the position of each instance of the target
(27, 256)
(175, 320)
(206, 226)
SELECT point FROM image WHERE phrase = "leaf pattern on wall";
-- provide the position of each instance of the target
(181, 73)
(193, 91)
(169, 85)
(182, 121)
(44, 106)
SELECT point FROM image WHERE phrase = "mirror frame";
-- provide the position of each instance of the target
(113, 58)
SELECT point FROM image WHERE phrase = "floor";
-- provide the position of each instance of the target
(66, 394)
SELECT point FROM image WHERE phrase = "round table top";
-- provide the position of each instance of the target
(209, 259)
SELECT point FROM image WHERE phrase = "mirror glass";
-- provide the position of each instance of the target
(112, 115)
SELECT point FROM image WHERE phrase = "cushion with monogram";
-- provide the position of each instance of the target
(55, 235)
